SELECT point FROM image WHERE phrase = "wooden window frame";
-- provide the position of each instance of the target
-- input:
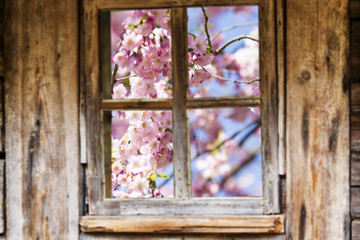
(250, 212)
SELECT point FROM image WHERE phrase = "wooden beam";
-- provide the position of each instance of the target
(317, 120)
(181, 159)
(41, 92)
(182, 224)
(124, 4)
(223, 102)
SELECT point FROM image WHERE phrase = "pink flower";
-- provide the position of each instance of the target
(199, 76)
(191, 41)
(200, 45)
(204, 60)
(119, 91)
(131, 41)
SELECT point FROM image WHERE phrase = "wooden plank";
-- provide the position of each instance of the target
(182, 224)
(223, 102)
(2, 196)
(2, 117)
(269, 114)
(355, 230)
(212, 206)
(178, 236)
(280, 50)
(181, 158)
(354, 8)
(2, 2)
(123, 4)
(355, 52)
(355, 168)
(137, 104)
(317, 120)
(41, 86)
(355, 202)
(90, 86)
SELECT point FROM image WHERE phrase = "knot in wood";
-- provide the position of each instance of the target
(305, 75)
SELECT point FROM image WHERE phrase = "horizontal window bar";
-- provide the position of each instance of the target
(223, 102)
(137, 104)
(125, 4)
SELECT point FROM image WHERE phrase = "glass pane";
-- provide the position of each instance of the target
(141, 54)
(225, 152)
(222, 67)
(142, 154)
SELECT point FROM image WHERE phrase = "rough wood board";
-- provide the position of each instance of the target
(182, 224)
(355, 168)
(317, 121)
(124, 4)
(354, 8)
(167, 236)
(41, 102)
(355, 202)
(2, 37)
(181, 158)
(269, 104)
(2, 196)
(355, 51)
(355, 230)
(280, 50)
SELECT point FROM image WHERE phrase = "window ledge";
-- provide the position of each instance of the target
(184, 224)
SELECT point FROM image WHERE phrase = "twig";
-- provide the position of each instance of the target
(232, 27)
(238, 168)
(235, 81)
(113, 77)
(234, 40)
(123, 78)
(232, 137)
(206, 26)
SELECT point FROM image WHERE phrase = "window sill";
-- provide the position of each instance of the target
(184, 224)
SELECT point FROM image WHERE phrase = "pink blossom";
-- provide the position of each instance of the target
(204, 60)
(200, 45)
(131, 41)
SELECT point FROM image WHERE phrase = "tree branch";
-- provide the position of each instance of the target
(235, 81)
(234, 40)
(206, 26)
(232, 27)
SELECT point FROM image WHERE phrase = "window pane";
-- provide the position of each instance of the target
(142, 154)
(219, 71)
(141, 54)
(225, 152)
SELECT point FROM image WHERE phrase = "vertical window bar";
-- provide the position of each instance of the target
(105, 75)
(182, 177)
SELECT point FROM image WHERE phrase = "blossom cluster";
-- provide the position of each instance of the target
(144, 149)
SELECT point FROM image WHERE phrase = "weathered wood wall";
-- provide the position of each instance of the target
(41, 104)
(355, 115)
(317, 120)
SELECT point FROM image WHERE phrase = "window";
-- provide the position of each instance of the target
(98, 129)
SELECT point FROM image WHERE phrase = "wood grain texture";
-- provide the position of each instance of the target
(2, 196)
(177, 236)
(123, 4)
(355, 168)
(354, 8)
(269, 104)
(181, 158)
(173, 207)
(280, 60)
(90, 87)
(355, 202)
(2, 2)
(317, 121)
(355, 230)
(181, 224)
(41, 102)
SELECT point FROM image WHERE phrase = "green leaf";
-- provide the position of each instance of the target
(193, 35)
(126, 82)
(163, 176)
(153, 176)
(208, 49)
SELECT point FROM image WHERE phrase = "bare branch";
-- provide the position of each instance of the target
(238, 168)
(113, 77)
(232, 137)
(206, 26)
(235, 81)
(232, 27)
(234, 40)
